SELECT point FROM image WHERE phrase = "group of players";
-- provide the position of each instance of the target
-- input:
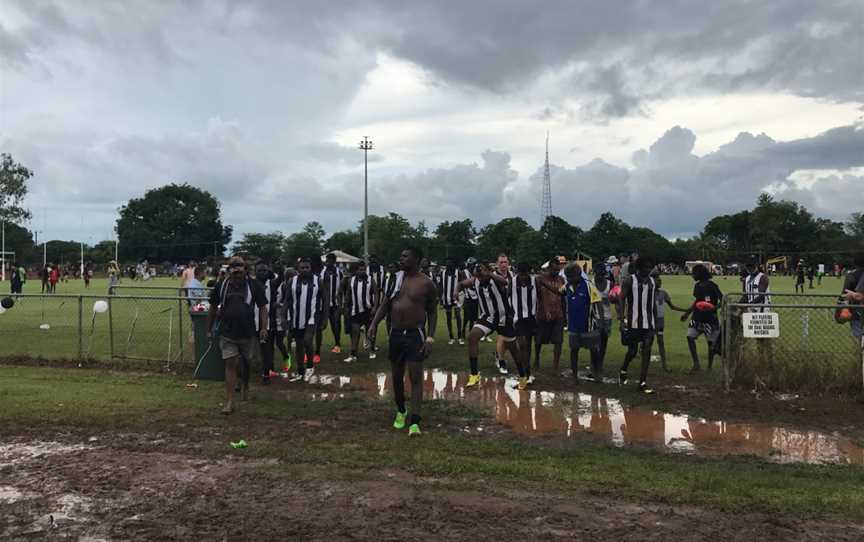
(524, 309)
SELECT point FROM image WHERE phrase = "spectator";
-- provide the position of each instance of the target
(17, 280)
(196, 291)
(853, 292)
(233, 304)
(550, 313)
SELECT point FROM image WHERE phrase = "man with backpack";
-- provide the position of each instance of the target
(232, 317)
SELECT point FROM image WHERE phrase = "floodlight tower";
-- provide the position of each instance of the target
(366, 146)
(546, 200)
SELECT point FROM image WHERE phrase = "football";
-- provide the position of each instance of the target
(7, 302)
(704, 306)
(844, 315)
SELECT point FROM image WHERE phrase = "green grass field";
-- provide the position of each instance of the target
(142, 327)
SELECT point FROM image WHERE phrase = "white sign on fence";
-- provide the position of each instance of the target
(761, 325)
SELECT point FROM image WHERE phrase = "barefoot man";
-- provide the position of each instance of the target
(410, 299)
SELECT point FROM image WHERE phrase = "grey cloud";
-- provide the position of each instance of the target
(334, 152)
(672, 190)
(621, 52)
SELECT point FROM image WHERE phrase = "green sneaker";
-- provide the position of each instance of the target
(289, 362)
(414, 430)
(399, 422)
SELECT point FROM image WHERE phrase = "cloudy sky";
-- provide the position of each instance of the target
(666, 113)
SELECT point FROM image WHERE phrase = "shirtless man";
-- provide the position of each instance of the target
(410, 300)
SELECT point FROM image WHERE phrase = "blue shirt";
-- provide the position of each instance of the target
(578, 307)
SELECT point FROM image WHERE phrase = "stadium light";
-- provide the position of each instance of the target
(366, 146)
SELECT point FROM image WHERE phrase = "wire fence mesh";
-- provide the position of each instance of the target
(100, 328)
(156, 290)
(811, 352)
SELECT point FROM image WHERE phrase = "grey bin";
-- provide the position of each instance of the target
(211, 367)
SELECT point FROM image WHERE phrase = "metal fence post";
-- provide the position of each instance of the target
(80, 329)
(727, 346)
(180, 328)
(110, 329)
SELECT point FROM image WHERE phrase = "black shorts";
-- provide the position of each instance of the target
(551, 332)
(406, 345)
(632, 337)
(471, 309)
(300, 334)
(526, 327)
(505, 329)
(361, 319)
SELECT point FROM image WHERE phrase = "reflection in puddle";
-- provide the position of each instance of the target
(540, 413)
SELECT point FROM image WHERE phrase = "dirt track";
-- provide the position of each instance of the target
(87, 489)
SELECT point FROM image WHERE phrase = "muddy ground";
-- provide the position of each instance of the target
(61, 485)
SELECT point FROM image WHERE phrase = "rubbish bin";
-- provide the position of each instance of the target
(208, 359)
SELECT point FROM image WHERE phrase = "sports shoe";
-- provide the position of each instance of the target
(461, 342)
(296, 378)
(451, 342)
(502, 367)
(336, 350)
(414, 430)
(622, 378)
(310, 372)
(473, 381)
(531, 379)
(316, 359)
(643, 388)
(399, 422)
(523, 383)
(372, 355)
(350, 359)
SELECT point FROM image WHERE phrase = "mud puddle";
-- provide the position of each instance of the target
(547, 413)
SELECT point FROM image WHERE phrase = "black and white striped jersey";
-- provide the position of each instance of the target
(640, 309)
(471, 291)
(523, 298)
(305, 301)
(377, 277)
(331, 279)
(360, 291)
(449, 281)
(494, 303)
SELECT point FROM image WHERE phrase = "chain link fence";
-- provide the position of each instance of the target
(792, 344)
(155, 290)
(99, 328)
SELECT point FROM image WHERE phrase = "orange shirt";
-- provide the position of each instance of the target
(549, 304)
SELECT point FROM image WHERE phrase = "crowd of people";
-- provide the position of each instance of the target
(257, 313)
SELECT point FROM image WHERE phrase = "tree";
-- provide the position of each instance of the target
(532, 248)
(173, 223)
(560, 237)
(13, 188)
(300, 245)
(102, 253)
(316, 232)
(855, 226)
(349, 241)
(20, 241)
(267, 246)
(454, 240)
(608, 236)
(64, 252)
(502, 237)
(388, 235)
